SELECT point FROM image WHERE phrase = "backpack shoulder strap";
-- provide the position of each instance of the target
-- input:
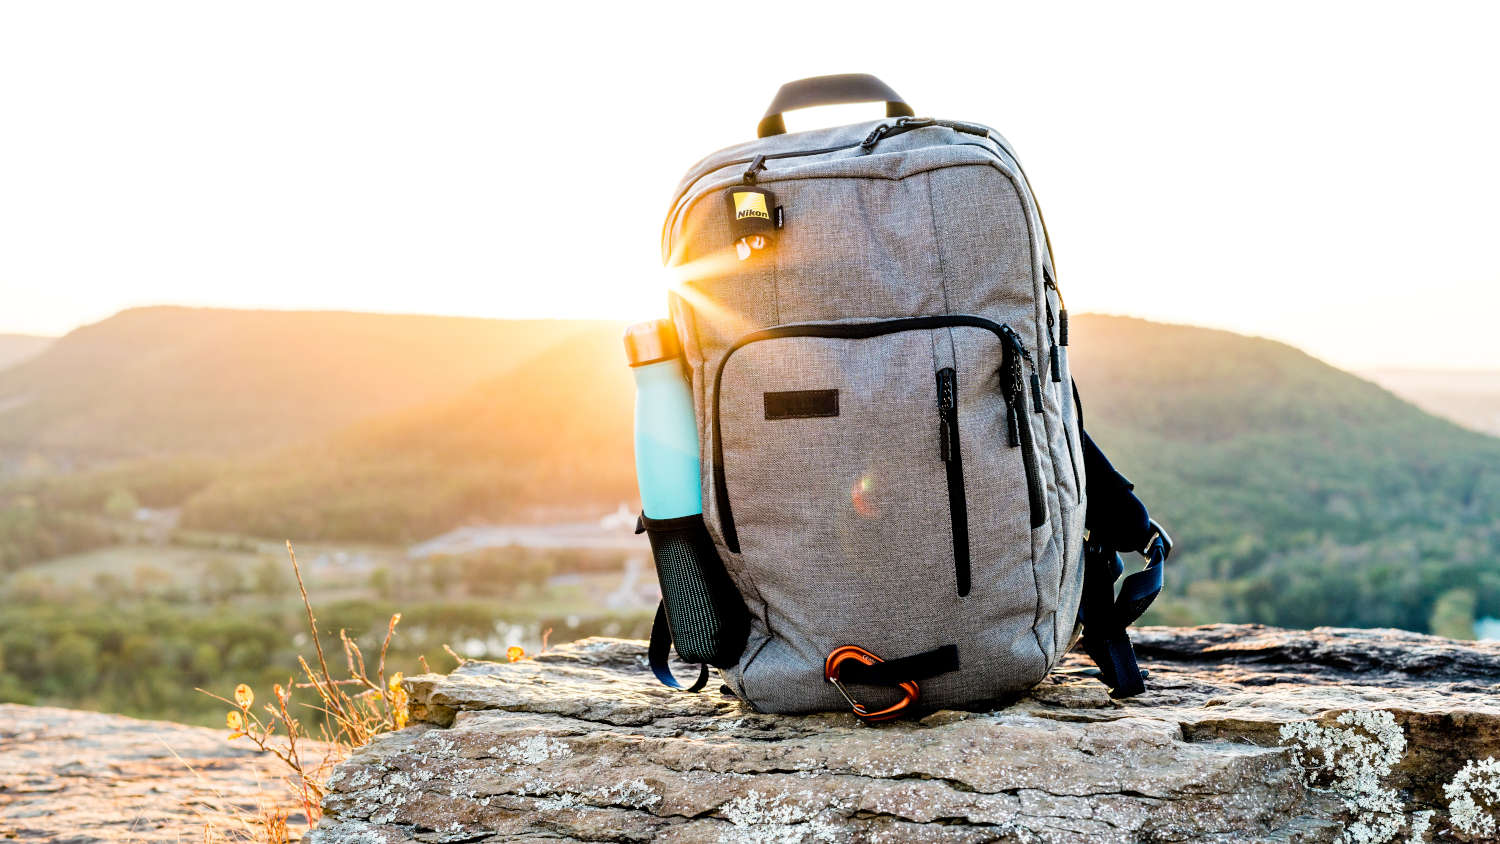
(661, 649)
(1116, 520)
(1105, 615)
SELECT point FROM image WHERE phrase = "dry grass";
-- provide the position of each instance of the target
(351, 709)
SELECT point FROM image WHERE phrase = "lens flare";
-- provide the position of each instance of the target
(862, 496)
(719, 265)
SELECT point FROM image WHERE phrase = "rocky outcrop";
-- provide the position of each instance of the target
(70, 777)
(1246, 733)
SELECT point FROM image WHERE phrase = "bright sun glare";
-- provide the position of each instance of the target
(1186, 178)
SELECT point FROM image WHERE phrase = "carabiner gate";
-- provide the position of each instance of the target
(840, 655)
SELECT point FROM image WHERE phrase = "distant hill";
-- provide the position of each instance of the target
(1300, 494)
(1471, 399)
(167, 380)
(15, 348)
(552, 433)
(1303, 495)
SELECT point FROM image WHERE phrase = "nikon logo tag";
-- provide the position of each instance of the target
(750, 204)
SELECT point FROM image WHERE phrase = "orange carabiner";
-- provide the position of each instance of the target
(840, 655)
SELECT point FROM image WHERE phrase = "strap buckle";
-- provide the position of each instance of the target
(840, 655)
(1158, 535)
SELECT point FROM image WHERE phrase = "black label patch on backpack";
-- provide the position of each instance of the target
(750, 212)
(802, 404)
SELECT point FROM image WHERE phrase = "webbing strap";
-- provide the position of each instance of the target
(1115, 657)
(893, 672)
(661, 649)
(1105, 616)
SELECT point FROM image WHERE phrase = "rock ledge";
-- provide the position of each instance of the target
(581, 744)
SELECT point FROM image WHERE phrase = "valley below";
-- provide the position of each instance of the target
(475, 477)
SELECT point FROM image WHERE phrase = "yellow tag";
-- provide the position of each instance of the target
(750, 205)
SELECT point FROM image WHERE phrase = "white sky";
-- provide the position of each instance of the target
(1323, 174)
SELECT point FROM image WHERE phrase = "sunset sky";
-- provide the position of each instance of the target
(1325, 174)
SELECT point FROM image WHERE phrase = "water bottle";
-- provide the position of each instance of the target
(708, 619)
(666, 431)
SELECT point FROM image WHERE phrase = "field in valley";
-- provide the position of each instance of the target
(136, 627)
(462, 473)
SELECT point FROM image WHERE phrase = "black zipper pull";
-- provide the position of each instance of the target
(1062, 308)
(757, 164)
(874, 137)
(1052, 351)
(1018, 372)
(947, 412)
(966, 128)
(1015, 386)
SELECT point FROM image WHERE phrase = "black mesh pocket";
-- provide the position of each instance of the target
(704, 609)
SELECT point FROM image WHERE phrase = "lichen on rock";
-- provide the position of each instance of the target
(1474, 797)
(1353, 760)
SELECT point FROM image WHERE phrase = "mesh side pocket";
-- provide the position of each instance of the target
(705, 611)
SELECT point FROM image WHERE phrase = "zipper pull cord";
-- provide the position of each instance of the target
(1015, 392)
(905, 124)
(758, 164)
(1036, 382)
(1052, 352)
(874, 137)
(1019, 379)
(947, 407)
(1062, 308)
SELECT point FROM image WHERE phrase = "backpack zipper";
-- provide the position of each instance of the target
(878, 134)
(1062, 308)
(1019, 427)
(952, 452)
(1015, 399)
(758, 162)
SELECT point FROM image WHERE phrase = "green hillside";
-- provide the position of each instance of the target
(1302, 495)
(553, 434)
(171, 380)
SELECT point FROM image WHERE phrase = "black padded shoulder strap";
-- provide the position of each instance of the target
(1116, 521)
(1106, 615)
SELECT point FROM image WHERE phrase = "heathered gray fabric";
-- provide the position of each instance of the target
(844, 522)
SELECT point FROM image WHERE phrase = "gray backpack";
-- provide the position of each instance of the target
(893, 456)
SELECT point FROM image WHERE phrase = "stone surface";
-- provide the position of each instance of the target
(76, 777)
(582, 744)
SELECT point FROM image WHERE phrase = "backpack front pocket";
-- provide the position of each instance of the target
(848, 463)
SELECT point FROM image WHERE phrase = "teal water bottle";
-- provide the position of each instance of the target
(666, 431)
(701, 612)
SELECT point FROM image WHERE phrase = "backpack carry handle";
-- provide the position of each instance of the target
(830, 90)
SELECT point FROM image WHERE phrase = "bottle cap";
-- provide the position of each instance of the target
(651, 341)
